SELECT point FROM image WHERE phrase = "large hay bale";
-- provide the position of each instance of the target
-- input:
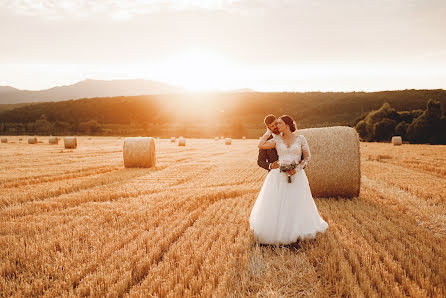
(228, 141)
(139, 152)
(334, 169)
(181, 142)
(53, 140)
(397, 140)
(173, 139)
(32, 140)
(4, 140)
(70, 142)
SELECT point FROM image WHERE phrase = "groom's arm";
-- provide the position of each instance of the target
(262, 159)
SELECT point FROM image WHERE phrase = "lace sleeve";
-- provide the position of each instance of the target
(265, 141)
(306, 151)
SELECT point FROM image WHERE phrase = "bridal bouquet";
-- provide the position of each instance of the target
(286, 166)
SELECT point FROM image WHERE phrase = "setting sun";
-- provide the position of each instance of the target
(197, 70)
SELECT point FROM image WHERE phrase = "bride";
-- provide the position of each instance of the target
(285, 211)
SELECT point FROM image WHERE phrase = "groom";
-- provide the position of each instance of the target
(268, 158)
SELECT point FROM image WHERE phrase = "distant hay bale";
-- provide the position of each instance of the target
(243, 138)
(20, 139)
(70, 142)
(397, 140)
(53, 140)
(4, 140)
(173, 139)
(139, 152)
(228, 141)
(334, 169)
(181, 142)
(32, 140)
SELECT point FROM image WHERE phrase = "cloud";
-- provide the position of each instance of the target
(114, 8)
(124, 9)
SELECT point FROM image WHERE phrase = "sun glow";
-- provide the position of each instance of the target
(198, 70)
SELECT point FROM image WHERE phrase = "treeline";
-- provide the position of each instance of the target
(204, 114)
(415, 126)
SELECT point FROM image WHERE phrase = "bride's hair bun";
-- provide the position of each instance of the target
(289, 121)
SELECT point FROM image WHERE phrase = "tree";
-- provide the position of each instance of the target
(42, 126)
(62, 127)
(401, 129)
(362, 130)
(409, 116)
(29, 126)
(428, 127)
(384, 112)
(383, 130)
(90, 127)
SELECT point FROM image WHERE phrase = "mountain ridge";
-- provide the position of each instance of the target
(88, 88)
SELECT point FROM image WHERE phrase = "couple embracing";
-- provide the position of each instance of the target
(284, 211)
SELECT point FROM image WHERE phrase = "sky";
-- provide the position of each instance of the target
(276, 45)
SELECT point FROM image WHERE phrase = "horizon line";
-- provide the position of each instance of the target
(216, 90)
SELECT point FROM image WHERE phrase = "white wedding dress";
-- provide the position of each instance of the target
(285, 212)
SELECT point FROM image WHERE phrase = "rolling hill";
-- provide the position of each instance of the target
(87, 89)
(206, 114)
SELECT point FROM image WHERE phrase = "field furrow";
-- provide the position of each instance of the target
(427, 186)
(77, 223)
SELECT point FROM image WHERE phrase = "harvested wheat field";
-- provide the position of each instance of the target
(76, 222)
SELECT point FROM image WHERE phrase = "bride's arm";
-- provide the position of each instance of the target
(306, 152)
(264, 143)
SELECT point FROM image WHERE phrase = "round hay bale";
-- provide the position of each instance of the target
(4, 140)
(334, 169)
(139, 152)
(53, 140)
(70, 142)
(173, 139)
(32, 140)
(397, 140)
(181, 142)
(243, 138)
(228, 141)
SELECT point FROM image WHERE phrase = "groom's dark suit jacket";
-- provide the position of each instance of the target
(267, 156)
